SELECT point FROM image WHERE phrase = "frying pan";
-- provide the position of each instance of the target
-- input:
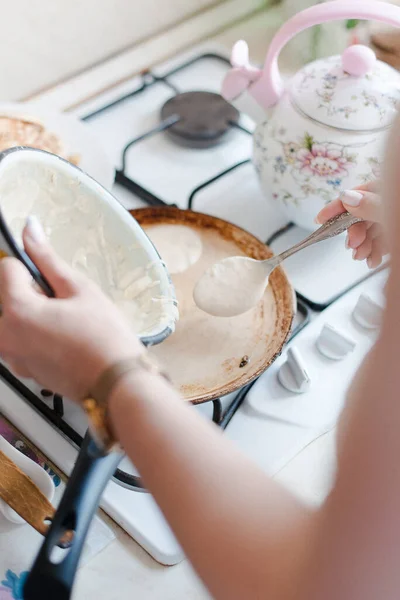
(210, 357)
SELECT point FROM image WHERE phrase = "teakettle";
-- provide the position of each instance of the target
(323, 131)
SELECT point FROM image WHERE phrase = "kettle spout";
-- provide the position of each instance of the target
(245, 103)
(236, 87)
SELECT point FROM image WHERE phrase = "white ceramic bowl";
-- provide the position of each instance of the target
(19, 165)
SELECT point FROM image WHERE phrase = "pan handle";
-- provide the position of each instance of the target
(48, 580)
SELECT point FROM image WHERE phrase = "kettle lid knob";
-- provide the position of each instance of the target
(358, 60)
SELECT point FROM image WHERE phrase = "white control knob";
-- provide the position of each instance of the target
(334, 344)
(367, 312)
(293, 373)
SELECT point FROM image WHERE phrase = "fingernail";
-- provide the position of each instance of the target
(347, 242)
(369, 263)
(351, 198)
(316, 220)
(35, 230)
(355, 254)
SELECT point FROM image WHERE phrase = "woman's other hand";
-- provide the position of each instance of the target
(366, 239)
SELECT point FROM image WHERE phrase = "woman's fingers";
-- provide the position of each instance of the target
(372, 186)
(366, 205)
(330, 210)
(60, 276)
(363, 251)
(365, 238)
(377, 253)
(373, 241)
(356, 235)
(373, 248)
(15, 281)
(375, 231)
(364, 202)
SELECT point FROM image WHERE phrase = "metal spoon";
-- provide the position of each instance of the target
(236, 284)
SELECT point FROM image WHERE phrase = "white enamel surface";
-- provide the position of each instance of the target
(34, 471)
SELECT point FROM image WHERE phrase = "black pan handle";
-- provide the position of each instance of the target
(48, 580)
(8, 243)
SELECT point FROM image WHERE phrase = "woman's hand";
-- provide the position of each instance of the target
(366, 238)
(66, 342)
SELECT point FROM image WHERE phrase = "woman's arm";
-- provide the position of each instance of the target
(245, 535)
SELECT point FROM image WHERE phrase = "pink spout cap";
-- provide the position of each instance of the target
(242, 75)
(240, 54)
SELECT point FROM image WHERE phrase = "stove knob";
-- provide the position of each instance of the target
(368, 312)
(293, 374)
(334, 344)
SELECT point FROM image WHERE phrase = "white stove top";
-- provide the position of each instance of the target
(267, 426)
(173, 173)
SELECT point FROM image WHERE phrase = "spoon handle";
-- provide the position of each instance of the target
(330, 229)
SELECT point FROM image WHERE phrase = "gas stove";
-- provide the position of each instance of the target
(173, 140)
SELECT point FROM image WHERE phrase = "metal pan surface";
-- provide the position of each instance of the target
(208, 357)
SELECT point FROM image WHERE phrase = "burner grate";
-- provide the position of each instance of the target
(169, 121)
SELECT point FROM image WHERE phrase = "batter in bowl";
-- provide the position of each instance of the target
(87, 234)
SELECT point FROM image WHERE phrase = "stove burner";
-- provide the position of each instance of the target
(205, 118)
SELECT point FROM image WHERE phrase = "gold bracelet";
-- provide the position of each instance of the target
(96, 402)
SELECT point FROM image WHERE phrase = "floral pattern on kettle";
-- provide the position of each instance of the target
(327, 96)
(319, 160)
(326, 78)
(311, 167)
(317, 168)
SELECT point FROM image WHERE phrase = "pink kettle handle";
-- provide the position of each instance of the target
(268, 88)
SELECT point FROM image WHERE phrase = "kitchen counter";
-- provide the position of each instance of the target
(123, 570)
